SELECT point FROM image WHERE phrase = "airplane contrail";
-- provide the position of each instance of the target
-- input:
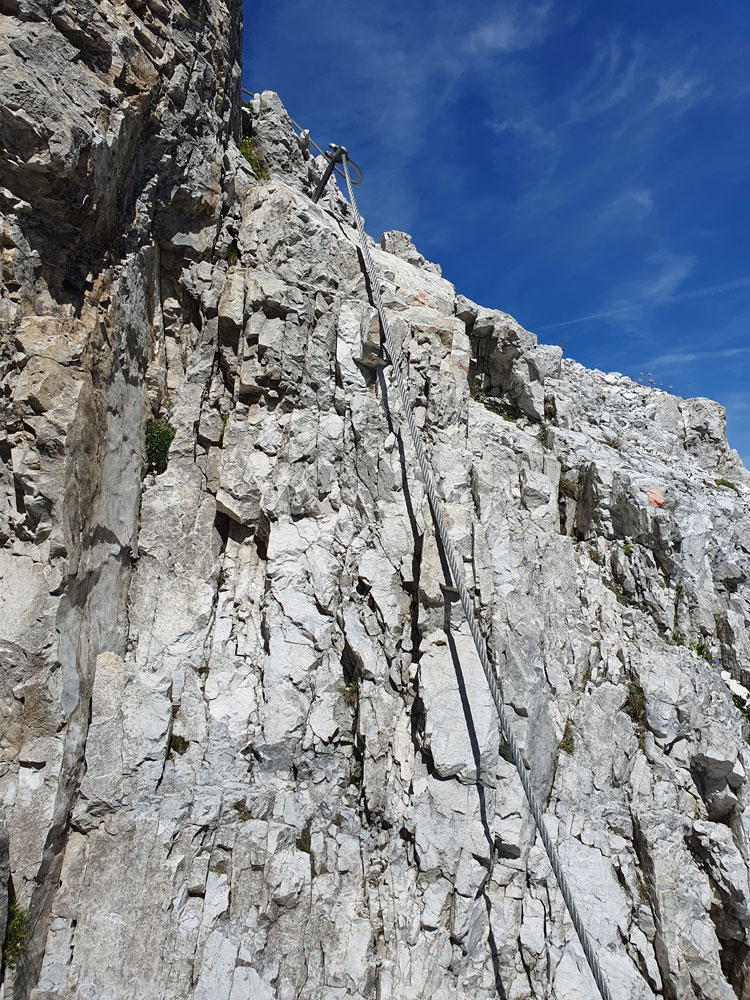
(728, 286)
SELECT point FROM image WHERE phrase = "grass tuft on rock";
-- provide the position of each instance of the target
(17, 933)
(701, 648)
(159, 436)
(635, 707)
(613, 441)
(568, 743)
(568, 488)
(351, 693)
(493, 404)
(178, 745)
(729, 485)
(254, 158)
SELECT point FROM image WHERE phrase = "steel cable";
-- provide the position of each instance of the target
(463, 592)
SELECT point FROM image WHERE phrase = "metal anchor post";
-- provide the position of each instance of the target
(334, 156)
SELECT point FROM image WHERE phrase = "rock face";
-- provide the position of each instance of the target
(247, 746)
(401, 245)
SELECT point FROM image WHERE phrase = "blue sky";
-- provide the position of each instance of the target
(581, 165)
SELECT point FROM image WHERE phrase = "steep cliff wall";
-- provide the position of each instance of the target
(115, 123)
(247, 746)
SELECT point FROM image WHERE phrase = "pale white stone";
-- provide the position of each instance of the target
(243, 726)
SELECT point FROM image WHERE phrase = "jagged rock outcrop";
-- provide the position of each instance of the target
(402, 246)
(247, 746)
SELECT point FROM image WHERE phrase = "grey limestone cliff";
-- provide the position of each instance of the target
(247, 748)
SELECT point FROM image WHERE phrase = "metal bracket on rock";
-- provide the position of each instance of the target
(372, 356)
(328, 154)
(335, 154)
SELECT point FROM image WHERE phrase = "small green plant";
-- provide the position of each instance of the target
(595, 556)
(700, 646)
(233, 253)
(355, 775)
(627, 549)
(494, 405)
(351, 693)
(159, 436)
(544, 436)
(254, 158)
(677, 637)
(730, 486)
(475, 391)
(504, 410)
(568, 488)
(613, 441)
(178, 745)
(17, 932)
(550, 409)
(568, 743)
(635, 707)
(619, 593)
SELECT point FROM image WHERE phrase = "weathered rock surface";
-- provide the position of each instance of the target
(402, 246)
(247, 749)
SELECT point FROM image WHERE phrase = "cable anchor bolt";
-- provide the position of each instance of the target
(450, 592)
(334, 155)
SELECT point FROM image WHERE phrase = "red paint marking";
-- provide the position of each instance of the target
(655, 497)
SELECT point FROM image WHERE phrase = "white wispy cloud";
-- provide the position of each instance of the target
(601, 133)
(612, 77)
(404, 72)
(737, 402)
(528, 128)
(624, 309)
(678, 358)
(515, 28)
(726, 286)
(629, 206)
(677, 87)
(670, 271)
